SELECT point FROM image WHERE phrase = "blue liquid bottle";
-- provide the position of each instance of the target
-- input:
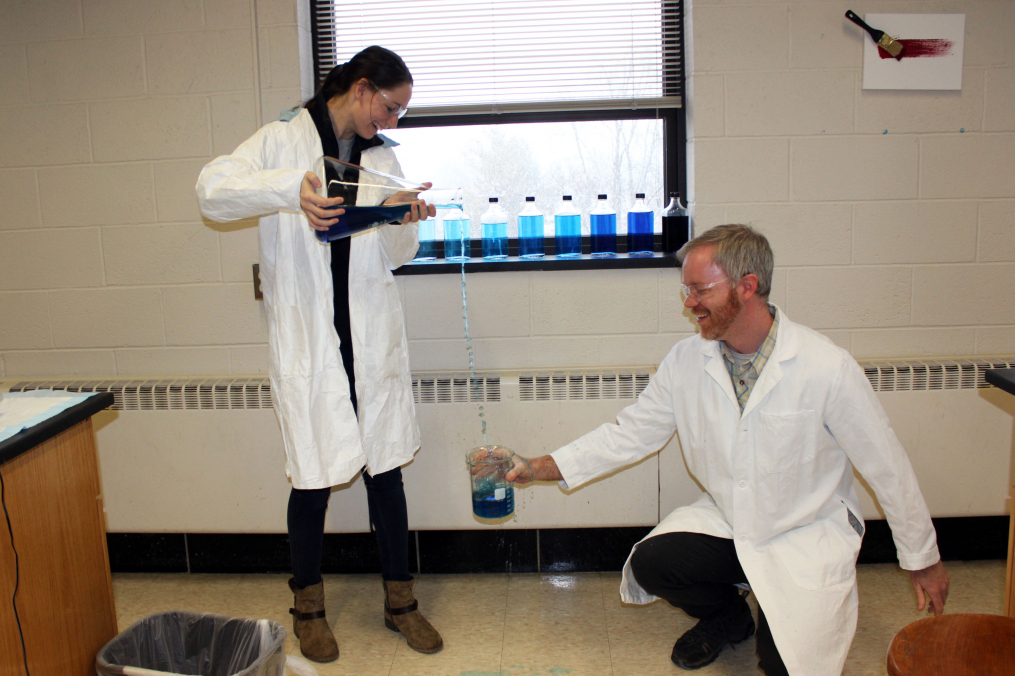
(567, 223)
(604, 229)
(639, 228)
(457, 243)
(427, 246)
(495, 240)
(530, 231)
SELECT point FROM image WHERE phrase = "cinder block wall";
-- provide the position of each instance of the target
(894, 244)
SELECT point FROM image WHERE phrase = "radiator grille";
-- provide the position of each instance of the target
(454, 388)
(581, 385)
(169, 395)
(916, 375)
(890, 375)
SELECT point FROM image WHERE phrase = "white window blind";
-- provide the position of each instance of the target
(470, 57)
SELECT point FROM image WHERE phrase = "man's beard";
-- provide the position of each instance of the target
(722, 318)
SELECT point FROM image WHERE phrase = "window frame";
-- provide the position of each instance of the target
(674, 143)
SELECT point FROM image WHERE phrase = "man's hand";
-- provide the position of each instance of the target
(543, 468)
(931, 584)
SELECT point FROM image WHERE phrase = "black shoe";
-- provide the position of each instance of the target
(702, 643)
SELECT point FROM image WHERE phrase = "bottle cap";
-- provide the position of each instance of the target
(567, 198)
(530, 199)
(602, 197)
(639, 195)
(493, 199)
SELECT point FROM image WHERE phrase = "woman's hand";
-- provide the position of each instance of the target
(418, 209)
(315, 206)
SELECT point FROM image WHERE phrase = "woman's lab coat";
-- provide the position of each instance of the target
(325, 444)
(778, 480)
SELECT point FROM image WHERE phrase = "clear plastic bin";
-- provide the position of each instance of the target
(181, 642)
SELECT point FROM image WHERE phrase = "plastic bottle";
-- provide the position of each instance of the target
(495, 241)
(427, 246)
(457, 244)
(530, 231)
(676, 229)
(567, 225)
(640, 239)
(603, 222)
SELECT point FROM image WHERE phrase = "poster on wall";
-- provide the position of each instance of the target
(932, 54)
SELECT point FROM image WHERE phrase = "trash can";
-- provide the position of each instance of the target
(199, 644)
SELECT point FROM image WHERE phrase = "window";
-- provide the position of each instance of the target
(542, 98)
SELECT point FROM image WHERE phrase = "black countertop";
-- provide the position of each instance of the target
(26, 440)
(1001, 378)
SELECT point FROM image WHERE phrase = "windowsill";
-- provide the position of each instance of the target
(621, 261)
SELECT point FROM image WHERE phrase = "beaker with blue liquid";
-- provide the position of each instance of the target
(495, 239)
(567, 225)
(640, 238)
(530, 231)
(457, 242)
(493, 496)
(603, 225)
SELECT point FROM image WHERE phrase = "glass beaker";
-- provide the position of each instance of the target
(493, 496)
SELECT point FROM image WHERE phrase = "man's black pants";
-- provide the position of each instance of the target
(697, 574)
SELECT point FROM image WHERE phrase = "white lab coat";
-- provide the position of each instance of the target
(778, 479)
(325, 444)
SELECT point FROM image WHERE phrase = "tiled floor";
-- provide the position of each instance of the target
(534, 625)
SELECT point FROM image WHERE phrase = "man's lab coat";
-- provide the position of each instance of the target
(325, 444)
(778, 479)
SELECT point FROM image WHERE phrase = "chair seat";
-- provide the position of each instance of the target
(954, 645)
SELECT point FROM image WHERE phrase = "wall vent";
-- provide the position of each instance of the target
(889, 375)
(168, 395)
(918, 375)
(455, 388)
(582, 385)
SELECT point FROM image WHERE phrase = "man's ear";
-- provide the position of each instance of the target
(748, 286)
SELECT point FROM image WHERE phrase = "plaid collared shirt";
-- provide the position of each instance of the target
(745, 376)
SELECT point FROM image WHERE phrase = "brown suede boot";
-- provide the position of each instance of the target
(401, 615)
(317, 643)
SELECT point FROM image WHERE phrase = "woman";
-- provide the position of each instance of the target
(338, 361)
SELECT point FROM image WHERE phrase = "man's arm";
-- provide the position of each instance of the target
(857, 421)
(543, 468)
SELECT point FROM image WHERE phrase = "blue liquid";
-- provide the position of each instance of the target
(486, 506)
(569, 235)
(495, 240)
(530, 237)
(358, 219)
(639, 233)
(427, 247)
(604, 234)
(456, 239)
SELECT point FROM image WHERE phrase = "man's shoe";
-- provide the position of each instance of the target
(702, 643)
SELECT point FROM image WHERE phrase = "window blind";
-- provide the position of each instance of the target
(470, 57)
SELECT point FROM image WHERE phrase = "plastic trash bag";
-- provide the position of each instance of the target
(198, 644)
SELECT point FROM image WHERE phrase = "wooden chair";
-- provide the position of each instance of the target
(954, 645)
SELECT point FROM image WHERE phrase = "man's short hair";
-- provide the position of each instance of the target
(738, 250)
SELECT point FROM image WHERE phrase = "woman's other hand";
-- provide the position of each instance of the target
(315, 206)
(418, 209)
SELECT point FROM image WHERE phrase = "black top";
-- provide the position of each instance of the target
(318, 109)
(1001, 378)
(26, 440)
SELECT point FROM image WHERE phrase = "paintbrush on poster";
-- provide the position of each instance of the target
(932, 54)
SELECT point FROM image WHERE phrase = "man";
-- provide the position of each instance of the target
(772, 418)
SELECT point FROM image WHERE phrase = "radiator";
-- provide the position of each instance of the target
(204, 454)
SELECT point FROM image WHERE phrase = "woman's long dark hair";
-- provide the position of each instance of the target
(381, 66)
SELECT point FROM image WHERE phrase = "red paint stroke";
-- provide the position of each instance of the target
(915, 49)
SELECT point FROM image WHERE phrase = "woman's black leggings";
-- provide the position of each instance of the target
(388, 514)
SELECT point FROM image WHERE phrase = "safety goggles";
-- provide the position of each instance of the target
(699, 292)
(392, 106)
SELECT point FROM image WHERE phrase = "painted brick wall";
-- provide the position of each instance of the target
(893, 244)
